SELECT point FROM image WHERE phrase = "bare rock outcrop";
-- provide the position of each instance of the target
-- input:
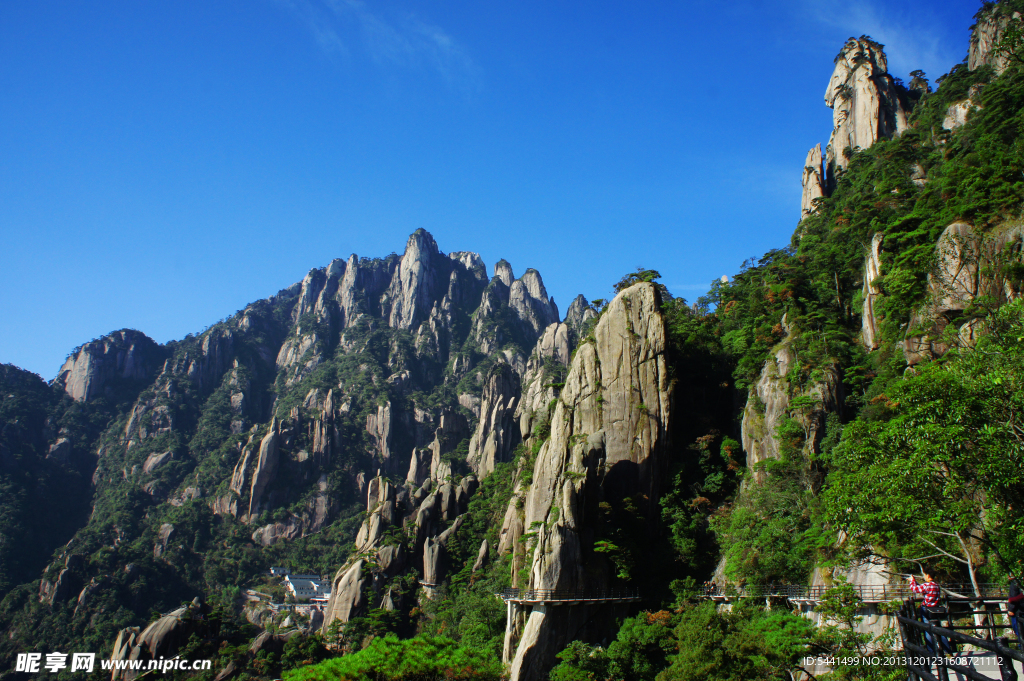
(771, 401)
(122, 355)
(813, 181)
(969, 266)
(452, 430)
(379, 427)
(206, 366)
(985, 36)
(481, 556)
(161, 639)
(361, 287)
(347, 594)
(60, 451)
(67, 584)
(497, 432)
(608, 441)
(435, 558)
(870, 293)
(546, 369)
(416, 284)
(380, 504)
(310, 520)
(578, 316)
(266, 467)
(530, 300)
(867, 103)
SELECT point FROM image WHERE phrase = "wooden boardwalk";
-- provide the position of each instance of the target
(867, 594)
(569, 596)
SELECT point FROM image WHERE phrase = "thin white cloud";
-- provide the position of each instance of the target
(912, 40)
(407, 42)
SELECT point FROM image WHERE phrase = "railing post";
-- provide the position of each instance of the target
(1006, 669)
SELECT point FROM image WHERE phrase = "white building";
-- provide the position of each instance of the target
(308, 587)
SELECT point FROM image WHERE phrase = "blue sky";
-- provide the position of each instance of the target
(162, 164)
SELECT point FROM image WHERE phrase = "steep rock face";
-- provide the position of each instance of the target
(207, 365)
(347, 594)
(293, 405)
(769, 404)
(266, 468)
(125, 354)
(544, 370)
(309, 520)
(866, 102)
(529, 298)
(813, 180)
(361, 287)
(452, 430)
(416, 284)
(435, 557)
(870, 293)
(968, 266)
(379, 427)
(497, 433)
(986, 34)
(503, 271)
(608, 441)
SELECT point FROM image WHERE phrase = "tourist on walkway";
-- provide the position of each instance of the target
(1014, 601)
(930, 611)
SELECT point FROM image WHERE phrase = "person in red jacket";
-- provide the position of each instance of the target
(930, 610)
(1014, 602)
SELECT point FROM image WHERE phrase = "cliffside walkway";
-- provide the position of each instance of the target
(867, 594)
(569, 596)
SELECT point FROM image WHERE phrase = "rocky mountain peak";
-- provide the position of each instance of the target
(472, 262)
(578, 314)
(867, 104)
(503, 271)
(416, 283)
(126, 354)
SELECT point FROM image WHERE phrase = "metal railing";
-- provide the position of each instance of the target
(884, 592)
(933, 643)
(571, 595)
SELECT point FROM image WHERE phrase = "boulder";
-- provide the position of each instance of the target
(154, 461)
(60, 451)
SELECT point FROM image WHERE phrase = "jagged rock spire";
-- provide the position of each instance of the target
(813, 182)
(867, 105)
(865, 101)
